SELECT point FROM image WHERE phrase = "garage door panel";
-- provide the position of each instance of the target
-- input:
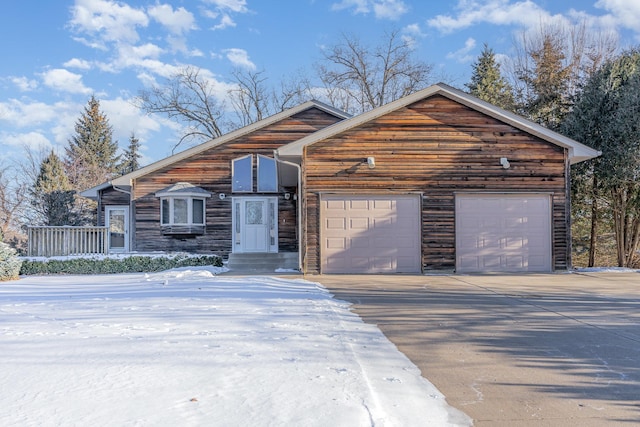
(359, 204)
(382, 233)
(503, 232)
(335, 204)
(359, 243)
(383, 204)
(359, 223)
(336, 243)
(336, 223)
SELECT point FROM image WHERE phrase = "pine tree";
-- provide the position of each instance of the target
(131, 156)
(52, 194)
(10, 263)
(487, 82)
(546, 100)
(91, 155)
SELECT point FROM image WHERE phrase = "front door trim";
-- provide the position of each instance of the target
(117, 232)
(257, 232)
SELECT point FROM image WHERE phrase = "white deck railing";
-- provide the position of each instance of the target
(66, 240)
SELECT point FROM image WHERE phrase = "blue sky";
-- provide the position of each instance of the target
(56, 54)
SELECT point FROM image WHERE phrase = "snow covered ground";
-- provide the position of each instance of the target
(186, 347)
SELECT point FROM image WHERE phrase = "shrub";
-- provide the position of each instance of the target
(132, 264)
(9, 263)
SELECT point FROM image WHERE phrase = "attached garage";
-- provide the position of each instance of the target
(370, 234)
(503, 232)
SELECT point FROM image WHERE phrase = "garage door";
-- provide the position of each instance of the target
(503, 233)
(370, 234)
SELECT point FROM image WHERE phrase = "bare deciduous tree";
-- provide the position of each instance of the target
(358, 78)
(250, 97)
(188, 97)
(14, 199)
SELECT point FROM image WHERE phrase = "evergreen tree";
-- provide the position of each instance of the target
(488, 83)
(10, 263)
(131, 155)
(547, 99)
(52, 195)
(606, 118)
(91, 155)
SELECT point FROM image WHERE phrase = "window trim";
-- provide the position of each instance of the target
(233, 174)
(275, 166)
(190, 199)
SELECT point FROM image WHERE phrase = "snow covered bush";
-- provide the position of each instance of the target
(9, 263)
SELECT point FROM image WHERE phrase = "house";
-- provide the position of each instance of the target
(437, 180)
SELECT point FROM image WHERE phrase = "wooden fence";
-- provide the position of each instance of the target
(66, 240)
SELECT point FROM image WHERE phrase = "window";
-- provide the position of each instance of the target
(242, 174)
(267, 176)
(182, 211)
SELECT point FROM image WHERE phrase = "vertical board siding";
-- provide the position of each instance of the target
(211, 170)
(435, 147)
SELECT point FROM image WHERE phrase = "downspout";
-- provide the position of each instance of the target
(298, 207)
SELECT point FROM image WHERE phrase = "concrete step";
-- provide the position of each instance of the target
(262, 262)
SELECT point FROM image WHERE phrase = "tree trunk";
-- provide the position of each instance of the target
(593, 241)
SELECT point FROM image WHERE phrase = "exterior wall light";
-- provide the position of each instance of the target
(371, 162)
(505, 162)
(221, 196)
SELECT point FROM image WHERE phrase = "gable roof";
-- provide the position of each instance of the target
(577, 152)
(125, 180)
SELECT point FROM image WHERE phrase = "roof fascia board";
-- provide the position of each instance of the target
(127, 179)
(577, 151)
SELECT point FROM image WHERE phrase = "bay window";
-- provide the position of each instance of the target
(182, 209)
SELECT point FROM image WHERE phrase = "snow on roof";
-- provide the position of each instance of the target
(183, 188)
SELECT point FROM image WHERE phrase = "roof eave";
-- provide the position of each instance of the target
(128, 178)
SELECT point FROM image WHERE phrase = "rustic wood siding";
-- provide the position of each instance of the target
(211, 170)
(435, 147)
(110, 197)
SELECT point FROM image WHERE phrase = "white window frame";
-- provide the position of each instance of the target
(190, 200)
(270, 159)
(233, 174)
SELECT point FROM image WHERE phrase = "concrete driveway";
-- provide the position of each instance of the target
(515, 350)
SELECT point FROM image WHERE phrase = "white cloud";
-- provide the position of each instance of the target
(411, 33)
(80, 64)
(178, 21)
(64, 81)
(125, 118)
(223, 10)
(22, 114)
(498, 12)
(225, 22)
(382, 9)
(237, 6)
(32, 140)
(624, 12)
(107, 20)
(389, 9)
(462, 55)
(239, 58)
(24, 84)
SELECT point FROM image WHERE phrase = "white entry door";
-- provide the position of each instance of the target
(255, 224)
(117, 222)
